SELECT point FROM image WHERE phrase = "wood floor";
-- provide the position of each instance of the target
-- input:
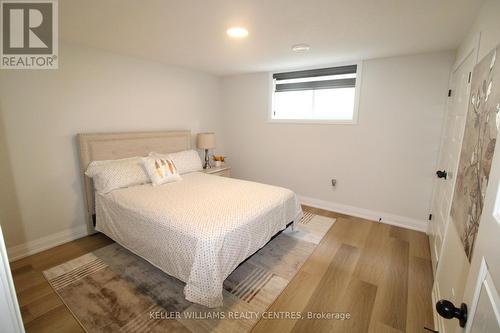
(381, 275)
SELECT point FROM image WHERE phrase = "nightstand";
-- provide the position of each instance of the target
(223, 170)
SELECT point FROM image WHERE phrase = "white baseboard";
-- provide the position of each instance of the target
(44, 243)
(47, 242)
(400, 221)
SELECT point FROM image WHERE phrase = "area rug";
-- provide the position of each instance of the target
(113, 290)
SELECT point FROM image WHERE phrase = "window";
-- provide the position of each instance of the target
(317, 95)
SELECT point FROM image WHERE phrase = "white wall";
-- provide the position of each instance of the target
(42, 111)
(384, 165)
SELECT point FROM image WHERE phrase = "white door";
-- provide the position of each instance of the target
(483, 281)
(10, 315)
(451, 142)
(484, 315)
(478, 284)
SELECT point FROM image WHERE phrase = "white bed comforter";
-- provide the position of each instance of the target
(198, 229)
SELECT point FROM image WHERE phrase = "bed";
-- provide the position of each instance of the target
(198, 229)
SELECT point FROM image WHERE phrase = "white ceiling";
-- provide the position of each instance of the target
(191, 33)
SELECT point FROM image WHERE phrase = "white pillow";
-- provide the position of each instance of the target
(113, 174)
(160, 170)
(185, 161)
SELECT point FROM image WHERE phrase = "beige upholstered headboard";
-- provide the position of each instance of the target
(111, 146)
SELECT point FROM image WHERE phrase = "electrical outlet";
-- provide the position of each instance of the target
(334, 182)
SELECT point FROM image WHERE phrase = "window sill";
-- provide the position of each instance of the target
(312, 121)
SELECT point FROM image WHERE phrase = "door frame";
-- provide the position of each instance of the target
(474, 51)
(436, 295)
(10, 316)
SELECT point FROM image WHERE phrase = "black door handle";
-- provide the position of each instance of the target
(447, 310)
(442, 174)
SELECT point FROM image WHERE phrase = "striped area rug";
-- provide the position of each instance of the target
(113, 290)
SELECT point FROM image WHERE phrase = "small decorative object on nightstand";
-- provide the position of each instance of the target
(223, 170)
(218, 160)
(206, 141)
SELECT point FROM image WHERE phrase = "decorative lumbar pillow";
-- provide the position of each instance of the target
(113, 174)
(185, 161)
(160, 170)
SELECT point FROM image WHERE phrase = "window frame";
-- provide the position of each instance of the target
(357, 93)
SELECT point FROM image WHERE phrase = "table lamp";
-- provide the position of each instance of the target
(206, 141)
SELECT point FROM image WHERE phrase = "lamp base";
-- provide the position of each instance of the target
(207, 161)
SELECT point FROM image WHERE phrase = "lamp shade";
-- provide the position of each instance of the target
(205, 141)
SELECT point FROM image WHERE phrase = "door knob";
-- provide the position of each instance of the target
(447, 310)
(442, 174)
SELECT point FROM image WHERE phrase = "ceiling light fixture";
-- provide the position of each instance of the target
(237, 32)
(300, 48)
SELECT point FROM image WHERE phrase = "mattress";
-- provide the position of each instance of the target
(198, 229)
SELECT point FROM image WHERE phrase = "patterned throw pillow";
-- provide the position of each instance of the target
(186, 161)
(160, 170)
(113, 174)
